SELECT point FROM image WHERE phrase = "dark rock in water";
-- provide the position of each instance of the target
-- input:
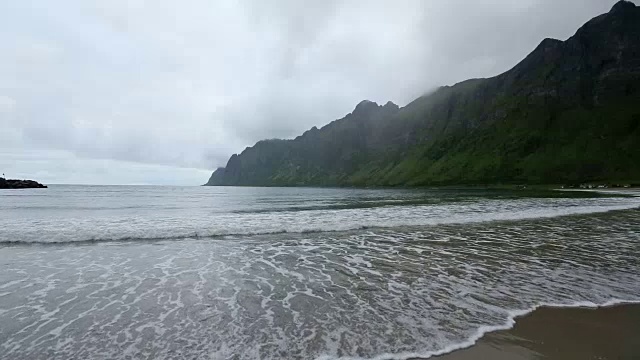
(20, 184)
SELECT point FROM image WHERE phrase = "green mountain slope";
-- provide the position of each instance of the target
(569, 112)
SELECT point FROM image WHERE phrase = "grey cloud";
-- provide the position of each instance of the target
(187, 84)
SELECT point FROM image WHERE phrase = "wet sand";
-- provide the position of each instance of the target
(562, 334)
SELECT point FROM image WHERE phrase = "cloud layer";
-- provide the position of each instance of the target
(140, 85)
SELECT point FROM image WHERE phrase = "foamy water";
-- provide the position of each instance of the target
(297, 273)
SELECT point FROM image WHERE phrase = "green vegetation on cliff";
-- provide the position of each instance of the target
(569, 112)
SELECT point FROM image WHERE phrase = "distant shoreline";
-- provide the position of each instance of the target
(20, 184)
(496, 186)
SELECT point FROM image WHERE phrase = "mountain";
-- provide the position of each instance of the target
(569, 112)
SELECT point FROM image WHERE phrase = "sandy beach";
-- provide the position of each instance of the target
(563, 334)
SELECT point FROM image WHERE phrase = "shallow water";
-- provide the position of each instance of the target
(247, 273)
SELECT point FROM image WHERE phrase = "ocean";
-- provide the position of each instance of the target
(152, 272)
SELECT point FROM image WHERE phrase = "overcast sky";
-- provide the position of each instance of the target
(164, 91)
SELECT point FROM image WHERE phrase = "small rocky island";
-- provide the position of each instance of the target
(20, 184)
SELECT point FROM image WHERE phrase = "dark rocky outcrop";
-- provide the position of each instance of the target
(569, 112)
(19, 184)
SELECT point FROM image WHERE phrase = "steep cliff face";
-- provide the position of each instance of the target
(319, 156)
(570, 111)
(216, 177)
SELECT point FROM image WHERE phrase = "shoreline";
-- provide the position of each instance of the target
(526, 333)
(550, 331)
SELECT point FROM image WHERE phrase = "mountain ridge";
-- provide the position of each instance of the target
(568, 112)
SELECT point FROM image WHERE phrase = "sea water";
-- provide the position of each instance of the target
(130, 272)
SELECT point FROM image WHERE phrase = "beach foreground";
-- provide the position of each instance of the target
(563, 334)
